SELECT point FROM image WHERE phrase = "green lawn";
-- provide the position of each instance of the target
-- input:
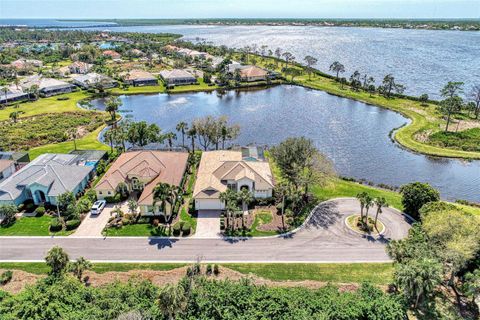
(46, 105)
(201, 86)
(137, 230)
(336, 188)
(88, 142)
(377, 273)
(32, 226)
(140, 90)
(42, 268)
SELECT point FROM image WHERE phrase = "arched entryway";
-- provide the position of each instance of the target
(246, 187)
(40, 196)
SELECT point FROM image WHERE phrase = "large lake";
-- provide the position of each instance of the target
(354, 135)
(423, 60)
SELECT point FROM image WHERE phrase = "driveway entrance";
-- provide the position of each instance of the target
(208, 224)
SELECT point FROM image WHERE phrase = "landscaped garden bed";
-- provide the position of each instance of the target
(355, 223)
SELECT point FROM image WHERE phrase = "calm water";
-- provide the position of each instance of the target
(423, 60)
(354, 135)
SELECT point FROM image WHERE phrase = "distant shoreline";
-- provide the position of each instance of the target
(428, 24)
(423, 24)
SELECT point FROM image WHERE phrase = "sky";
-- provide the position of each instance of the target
(78, 9)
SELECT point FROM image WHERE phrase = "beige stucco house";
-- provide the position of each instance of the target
(222, 170)
(141, 171)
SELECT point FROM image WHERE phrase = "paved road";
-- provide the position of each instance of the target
(324, 238)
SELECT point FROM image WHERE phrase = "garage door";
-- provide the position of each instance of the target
(208, 204)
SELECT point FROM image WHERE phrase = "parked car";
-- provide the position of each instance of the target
(98, 207)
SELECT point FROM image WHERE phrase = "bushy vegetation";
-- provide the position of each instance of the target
(44, 129)
(468, 140)
(437, 266)
(196, 298)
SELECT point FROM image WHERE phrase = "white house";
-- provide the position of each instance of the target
(236, 170)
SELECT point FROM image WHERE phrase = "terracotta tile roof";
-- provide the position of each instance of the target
(252, 71)
(137, 75)
(147, 165)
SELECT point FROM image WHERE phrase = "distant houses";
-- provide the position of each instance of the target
(91, 80)
(12, 94)
(44, 179)
(177, 77)
(79, 67)
(23, 66)
(139, 78)
(139, 172)
(46, 86)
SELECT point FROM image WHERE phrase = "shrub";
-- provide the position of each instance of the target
(115, 199)
(84, 205)
(5, 277)
(176, 229)
(63, 98)
(29, 207)
(40, 211)
(186, 228)
(55, 225)
(155, 222)
(73, 224)
(8, 212)
(216, 270)
(209, 269)
(415, 195)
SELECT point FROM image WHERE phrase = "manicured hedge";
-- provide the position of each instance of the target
(73, 224)
(55, 225)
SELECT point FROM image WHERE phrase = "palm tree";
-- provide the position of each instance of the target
(111, 106)
(192, 134)
(79, 266)
(368, 203)
(380, 202)
(361, 197)
(172, 301)
(229, 198)
(57, 260)
(109, 138)
(14, 115)
(337, 67)
(246, 198)
(165, 193)
(182, 127)
(72, 134)
(170, 136)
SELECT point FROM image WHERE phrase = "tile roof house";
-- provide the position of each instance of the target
(141, 171)
(177, 77)
(139, 78)
(25, 64)
(79, 67)
(46, 86)
(89, 80)
(44, 179)
(253, 73)
(236, 170)
(7, 168)
(112, 54)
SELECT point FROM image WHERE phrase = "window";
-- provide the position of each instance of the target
(109, 192)
(232, 186)
(100, 192)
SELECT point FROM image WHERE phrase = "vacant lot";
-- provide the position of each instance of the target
(39, 130)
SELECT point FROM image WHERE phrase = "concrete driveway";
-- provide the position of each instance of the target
(92, 225)
(323, 238)
(208, 224)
